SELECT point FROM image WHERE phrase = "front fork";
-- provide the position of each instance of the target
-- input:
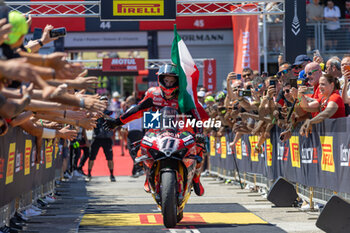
(179, 171)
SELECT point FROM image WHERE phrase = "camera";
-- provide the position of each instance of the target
(58, 32)
(239, 76)
(242, 93)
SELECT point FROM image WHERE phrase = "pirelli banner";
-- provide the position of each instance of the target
(321, 160)
(18, 172)
(118, 10)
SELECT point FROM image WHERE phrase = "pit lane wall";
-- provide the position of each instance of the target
(19, 175)
(321, 160)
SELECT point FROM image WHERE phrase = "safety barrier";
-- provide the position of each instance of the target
(22, 180)
(319, 166)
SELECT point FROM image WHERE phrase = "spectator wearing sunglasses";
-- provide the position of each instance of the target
(313, 74)
(286, 98)
(299, 64)
(284, 75)
(247, 74)
(284, 72)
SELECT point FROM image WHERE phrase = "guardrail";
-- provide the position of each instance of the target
(318, 37)
(22, 181)
(318, 166)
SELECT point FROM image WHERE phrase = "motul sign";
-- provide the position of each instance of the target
(209, 75)
(123, 64)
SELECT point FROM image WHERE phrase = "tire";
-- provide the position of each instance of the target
(169, 202)
(180, 216)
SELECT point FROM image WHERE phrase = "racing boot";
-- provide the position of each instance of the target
(146, 186)
(197, 186)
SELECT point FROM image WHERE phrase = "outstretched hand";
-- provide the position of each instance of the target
(110, 124)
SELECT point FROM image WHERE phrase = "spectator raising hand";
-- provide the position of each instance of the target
(5, 29)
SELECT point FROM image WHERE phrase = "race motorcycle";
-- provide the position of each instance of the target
(169, 158)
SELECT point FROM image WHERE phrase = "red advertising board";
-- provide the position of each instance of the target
(123, 64)
(182, 23)
(246, 46)
(209, 74)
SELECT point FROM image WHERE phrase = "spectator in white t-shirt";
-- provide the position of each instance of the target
(314, 14)
(332, 15)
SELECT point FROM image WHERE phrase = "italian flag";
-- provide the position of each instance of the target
(188, 77)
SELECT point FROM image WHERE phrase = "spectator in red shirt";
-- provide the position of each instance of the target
(313, 72)
(329, 105)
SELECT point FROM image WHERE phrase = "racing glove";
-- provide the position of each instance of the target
(111, 123)
(200, 138)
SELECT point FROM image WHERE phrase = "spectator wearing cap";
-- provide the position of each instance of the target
(333, 67)
(209, 100)
(299, 64)
(332, 15)
(200, 95)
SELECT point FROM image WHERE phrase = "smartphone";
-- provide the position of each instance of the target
(37, 33)
(239, 76)
(58, 32)
(4, 12)
(273, 83)
(310, 90)
(347, 67)
(242, 93)
(293, 82)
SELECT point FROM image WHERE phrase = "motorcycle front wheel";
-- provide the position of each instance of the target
(169, 202)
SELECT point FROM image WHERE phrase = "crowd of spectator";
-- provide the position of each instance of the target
(299, 95)
(45, 95)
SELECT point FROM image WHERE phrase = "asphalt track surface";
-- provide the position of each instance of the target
(127, 208)
(123, 206)
(204, 218)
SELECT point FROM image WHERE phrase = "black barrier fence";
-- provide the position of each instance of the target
(321, 160)
(18, 172)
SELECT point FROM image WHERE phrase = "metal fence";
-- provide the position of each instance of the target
(328, 42)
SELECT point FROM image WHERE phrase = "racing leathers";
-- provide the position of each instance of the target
(154, 100)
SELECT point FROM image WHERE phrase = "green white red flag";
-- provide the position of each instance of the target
(188, 77)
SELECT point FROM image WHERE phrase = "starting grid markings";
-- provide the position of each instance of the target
(149, 219)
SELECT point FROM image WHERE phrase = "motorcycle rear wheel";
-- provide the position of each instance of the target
(169, 202)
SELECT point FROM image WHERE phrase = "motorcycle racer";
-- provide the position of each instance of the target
(166, 94)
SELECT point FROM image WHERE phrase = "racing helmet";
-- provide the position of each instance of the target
(164, 71)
